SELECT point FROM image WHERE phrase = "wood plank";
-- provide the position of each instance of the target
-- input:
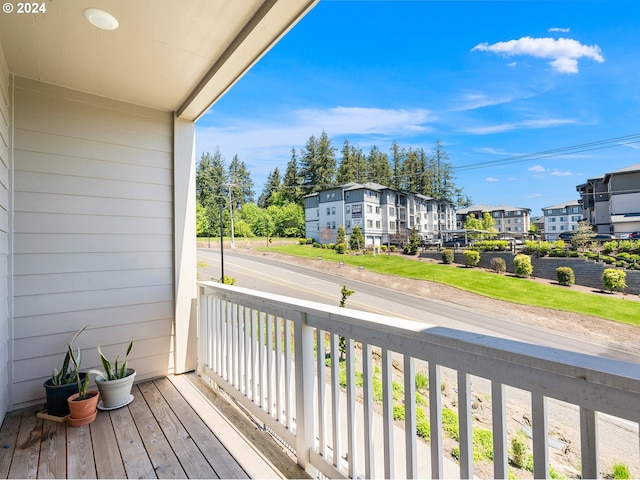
(80, 461)
(254, 450)
(9, 437)
(27, 451)
(105, 448)
(192, 460)
(224, 465)
(146, 454)
(53, 450)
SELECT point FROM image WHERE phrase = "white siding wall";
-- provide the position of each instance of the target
(93, 230)
(5, 120)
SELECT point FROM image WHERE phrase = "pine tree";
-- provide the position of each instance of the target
(398, 160)
(352, 165)
(271, 186)
(292, 180)
(378, 168)
(211, 191)
(240, 183)
(318, 163)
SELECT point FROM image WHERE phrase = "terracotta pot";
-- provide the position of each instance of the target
(84, 411)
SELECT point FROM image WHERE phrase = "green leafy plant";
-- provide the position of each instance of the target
(620, 470)
(614, 279)
(523, 265)
(471, 257)
(227, 280)
(519, 450)
(66, 374)
(76, 360)
(447, 256)
(565, 276)
(113, 371)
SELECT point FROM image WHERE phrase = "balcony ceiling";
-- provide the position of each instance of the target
(166, 54)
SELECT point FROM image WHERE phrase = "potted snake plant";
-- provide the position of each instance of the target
(83, 404)
(115, 382)
(62, 385)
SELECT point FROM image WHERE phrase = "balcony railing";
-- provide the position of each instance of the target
(280, 358)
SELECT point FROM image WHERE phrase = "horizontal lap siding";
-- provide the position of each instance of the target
(93, 233)
(4, 229)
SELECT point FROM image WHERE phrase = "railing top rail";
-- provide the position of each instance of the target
(511, 362)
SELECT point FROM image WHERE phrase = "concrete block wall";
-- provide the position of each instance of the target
(588, 272)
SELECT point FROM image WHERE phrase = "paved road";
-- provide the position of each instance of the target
(262, 273)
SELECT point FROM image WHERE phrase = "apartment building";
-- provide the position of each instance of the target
(611, 203)
(384, 215)
(563, 217)
(514, 221)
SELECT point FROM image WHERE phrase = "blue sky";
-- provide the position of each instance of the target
(491, 80)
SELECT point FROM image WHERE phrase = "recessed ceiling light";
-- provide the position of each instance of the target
(101, 19)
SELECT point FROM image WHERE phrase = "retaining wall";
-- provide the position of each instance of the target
(587, 272)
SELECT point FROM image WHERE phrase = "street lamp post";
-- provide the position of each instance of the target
(221, 248)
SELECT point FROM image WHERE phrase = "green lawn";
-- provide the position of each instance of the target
(501, 287)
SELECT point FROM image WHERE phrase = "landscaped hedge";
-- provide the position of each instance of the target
(565, 276)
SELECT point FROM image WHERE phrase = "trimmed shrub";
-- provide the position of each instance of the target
(523, 265)
(341, 247)
(614, 279)
(498, 265)
(392, 248)
(447, 256)
(565, 276)
(383, 248)
(620, 471)
(332, 246)
(519, 450)
(302, 241)
(471, 257)
(316, 245)
(309, 241)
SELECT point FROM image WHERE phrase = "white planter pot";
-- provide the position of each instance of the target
(115, 393)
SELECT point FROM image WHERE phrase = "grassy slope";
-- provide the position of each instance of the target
(485, 283)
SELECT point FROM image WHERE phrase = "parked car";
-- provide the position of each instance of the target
(630, 236)
(599, 237)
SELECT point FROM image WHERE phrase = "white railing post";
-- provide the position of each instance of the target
(540, 436)
(435, 417)
(499, 415)
(465, 427)
(304, 357)
(589, 443)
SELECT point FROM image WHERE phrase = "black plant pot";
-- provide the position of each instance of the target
(56, 397)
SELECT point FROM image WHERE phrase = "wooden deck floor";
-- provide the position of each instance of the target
(159, 435)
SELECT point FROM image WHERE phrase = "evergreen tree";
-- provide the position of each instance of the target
(292, 180)
(353, 165)
(411, 173)
(341, 235)
(356, 240)
(318, 163)
(271, 186)
(240, 183)
(398, 158)
(441, 183)
(211, 191)
(378, 168)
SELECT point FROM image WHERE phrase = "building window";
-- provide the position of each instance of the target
(378, 224)
(575, 209)
(348, 208)
(563, 219)
(392, 225)
(552, 219)
(563, 227)
(328, 224)
(328, 196)
(333, 195)
(378, 210)
(328, 211)
(318, 212)
(552, 227)
(333, 210)
(369, 208)
(508, 221)
(333, 225)
(518, 213)
(518, 229)
(369, 223)
(518, 220)
(392, 211)
(348, 224)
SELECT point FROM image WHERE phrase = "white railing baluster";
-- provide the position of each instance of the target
(589, 443)
(255, 356)
(367, 392)
(466, 425)
(304, 378)
(540, 436)
(335, 399)
(262, 371)
(287, 373)
(351, 408)
(410, 417)
(279, 386)
(248, 365)
(435, 418)
(387, 414)
(270, 365)
(322, 390)
(233, 357)
(499, 420)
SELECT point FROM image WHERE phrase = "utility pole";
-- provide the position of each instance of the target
(233, 242)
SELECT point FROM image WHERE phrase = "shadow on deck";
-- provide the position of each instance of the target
(176, 427)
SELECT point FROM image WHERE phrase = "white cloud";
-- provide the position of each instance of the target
(535, 195)
(505, 127)
(472, 101)
(491, 179)
(512, 64)
(563, 52)
(558, 173)
(537, 169)
(559, 29)
(264, 143)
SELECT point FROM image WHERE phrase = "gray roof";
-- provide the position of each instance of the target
(568, 203)
(489, 208)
